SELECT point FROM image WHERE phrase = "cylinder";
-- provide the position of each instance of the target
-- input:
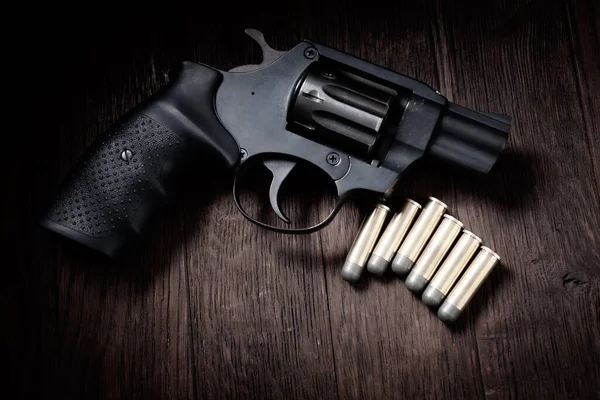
(418, 236)
(434, 252)
(340, 111)
(466, 287)
(391, 238)
(451, 268)
(364, 243)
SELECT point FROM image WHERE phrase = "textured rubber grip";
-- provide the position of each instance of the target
(127, 176)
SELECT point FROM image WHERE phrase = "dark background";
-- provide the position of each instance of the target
(214, 307)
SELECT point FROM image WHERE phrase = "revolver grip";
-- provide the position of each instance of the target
(128, 175)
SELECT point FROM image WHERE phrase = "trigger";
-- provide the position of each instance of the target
(280, 170)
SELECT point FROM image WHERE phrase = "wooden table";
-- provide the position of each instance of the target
(214, 307)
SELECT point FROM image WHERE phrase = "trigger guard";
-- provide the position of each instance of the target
(297, 231)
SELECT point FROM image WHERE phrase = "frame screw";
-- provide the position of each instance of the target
(126, 155)
(310, 53)
(243, 153)
(333, 158)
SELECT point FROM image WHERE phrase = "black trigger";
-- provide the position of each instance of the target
(280, 170)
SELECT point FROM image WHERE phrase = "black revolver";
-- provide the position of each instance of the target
(361, 124)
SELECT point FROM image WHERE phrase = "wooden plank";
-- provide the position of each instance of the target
(536, 319)
(28, 288)
(582, 18)
(124, 327)
(387, 343)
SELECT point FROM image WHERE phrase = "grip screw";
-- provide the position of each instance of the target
(243, 153)
(310, 53)
(333, 158)
(126, 155)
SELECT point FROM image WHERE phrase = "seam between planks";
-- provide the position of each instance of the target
(578, 83)
(189, 309)
(335, 372)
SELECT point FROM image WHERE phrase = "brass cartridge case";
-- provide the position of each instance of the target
(390, 240)
(418, 236)
(434, 252)
(468, 284)
(364, 243)
(456, 261)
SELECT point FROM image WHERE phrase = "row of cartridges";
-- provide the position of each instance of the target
(428, 247)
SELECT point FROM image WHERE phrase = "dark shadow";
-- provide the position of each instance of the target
(509, 184)
(362, 284)
(389, 276)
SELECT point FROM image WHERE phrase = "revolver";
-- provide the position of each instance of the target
(361, 124)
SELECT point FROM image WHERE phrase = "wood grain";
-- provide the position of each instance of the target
(540, 212)
(210, 306)
(583, 20)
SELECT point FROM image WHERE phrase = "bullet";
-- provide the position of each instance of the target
(467, 285)
(434, 252)
(450, 270)
(391, 238)
(364, 243)
(417, 236)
